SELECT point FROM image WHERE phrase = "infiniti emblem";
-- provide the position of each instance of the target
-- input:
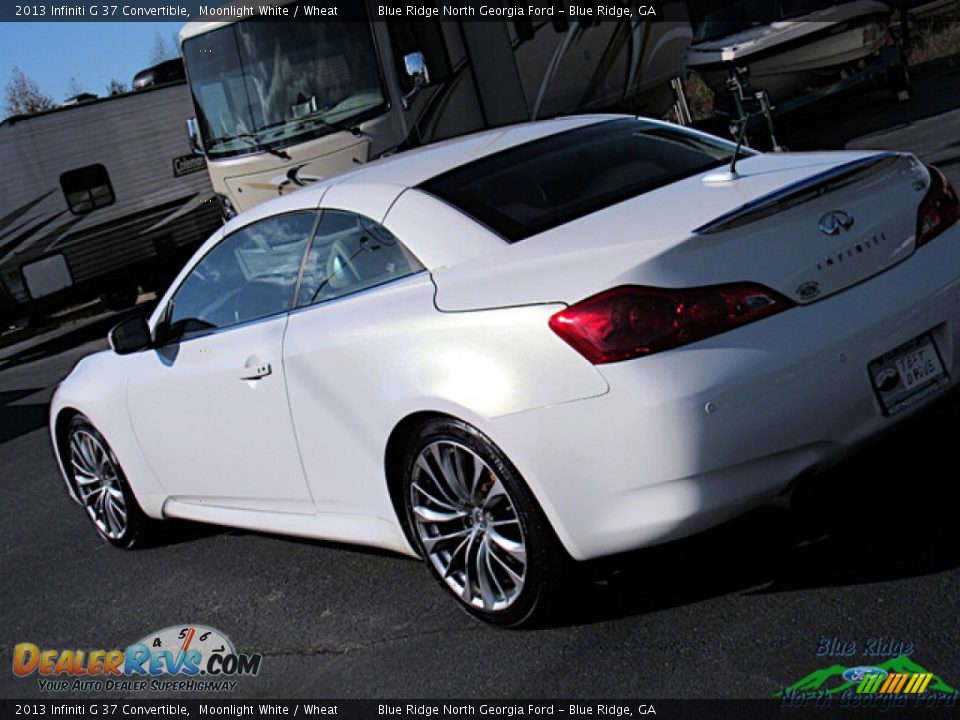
(833, 221)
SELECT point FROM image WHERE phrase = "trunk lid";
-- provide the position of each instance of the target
(807, 225)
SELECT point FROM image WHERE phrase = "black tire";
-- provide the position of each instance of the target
(136, 529)
(499, 599)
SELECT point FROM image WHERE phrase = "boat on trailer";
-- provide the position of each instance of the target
(789, 46)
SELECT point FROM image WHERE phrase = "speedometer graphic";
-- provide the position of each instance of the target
(200, 641)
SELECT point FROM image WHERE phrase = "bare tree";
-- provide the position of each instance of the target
(116, 87)
(74, 88)
(24, 96)
(163, 49)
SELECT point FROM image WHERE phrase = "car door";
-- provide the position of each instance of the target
(356, 274)
(209, 403)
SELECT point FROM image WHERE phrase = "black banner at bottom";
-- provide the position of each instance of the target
(915, 707)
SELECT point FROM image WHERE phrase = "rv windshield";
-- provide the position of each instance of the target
(263, 84)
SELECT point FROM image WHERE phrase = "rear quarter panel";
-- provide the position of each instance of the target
(358, 366)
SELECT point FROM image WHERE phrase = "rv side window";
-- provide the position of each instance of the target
(87, 188)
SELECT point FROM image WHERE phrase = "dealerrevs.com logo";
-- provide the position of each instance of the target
(178, 658)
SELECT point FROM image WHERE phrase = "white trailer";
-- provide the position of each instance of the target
(101, 198)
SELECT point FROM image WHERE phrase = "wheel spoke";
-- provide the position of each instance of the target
(448, 471)
(517, 579)
(89, 494)
(461, 475)
(496, 490)
(97, 502)
(90, 500)
(118, 508)
(111, 518)
(78, 457)
(441, 488)
(87, 448)
(452, 567)
(433, 543)
(442, 503)
(483, 578)
(101, 499)
(467, 594)
(487, 552)
(516, 549)
(437, 516)
(478, 468)
(82, 476)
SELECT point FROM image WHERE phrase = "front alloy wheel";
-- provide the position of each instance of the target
(97, 480)
(477, 525)
(101, 487)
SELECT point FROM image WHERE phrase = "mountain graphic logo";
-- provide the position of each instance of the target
(830, 680)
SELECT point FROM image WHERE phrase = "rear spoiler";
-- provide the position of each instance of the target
(798, 192)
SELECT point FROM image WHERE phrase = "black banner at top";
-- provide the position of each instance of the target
(586, 12)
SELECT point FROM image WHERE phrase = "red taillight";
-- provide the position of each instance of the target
(631, 321)
(939, 209)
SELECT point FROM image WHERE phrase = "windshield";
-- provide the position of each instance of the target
(259, 83)
(542, 184)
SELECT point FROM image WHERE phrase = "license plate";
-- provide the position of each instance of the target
(908, 374)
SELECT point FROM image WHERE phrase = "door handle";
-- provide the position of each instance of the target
(256, 372)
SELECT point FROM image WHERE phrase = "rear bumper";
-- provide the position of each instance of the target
(689, 438)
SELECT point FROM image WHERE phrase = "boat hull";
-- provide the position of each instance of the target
(785, 58)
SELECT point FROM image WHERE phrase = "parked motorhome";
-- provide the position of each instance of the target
(279, 104)
(101, 198)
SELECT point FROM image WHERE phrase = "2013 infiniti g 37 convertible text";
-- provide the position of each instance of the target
(560, 339)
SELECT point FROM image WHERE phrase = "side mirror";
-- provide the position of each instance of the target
(130, 336)
(415, 65)
(193, 133)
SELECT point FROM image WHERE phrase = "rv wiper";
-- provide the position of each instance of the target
(345, 127)
(252, 139)
(248, 137)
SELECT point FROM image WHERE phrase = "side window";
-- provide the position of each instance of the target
(350, 253)
(250, 274)
(87, 188)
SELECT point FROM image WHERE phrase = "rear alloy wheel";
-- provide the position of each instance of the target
(477, 525)
(101, 487)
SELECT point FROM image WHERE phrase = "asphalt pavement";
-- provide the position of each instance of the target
(874, 552)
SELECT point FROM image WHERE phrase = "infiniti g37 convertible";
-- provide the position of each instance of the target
(557, 340)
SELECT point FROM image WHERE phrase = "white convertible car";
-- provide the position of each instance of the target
(556, 340)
